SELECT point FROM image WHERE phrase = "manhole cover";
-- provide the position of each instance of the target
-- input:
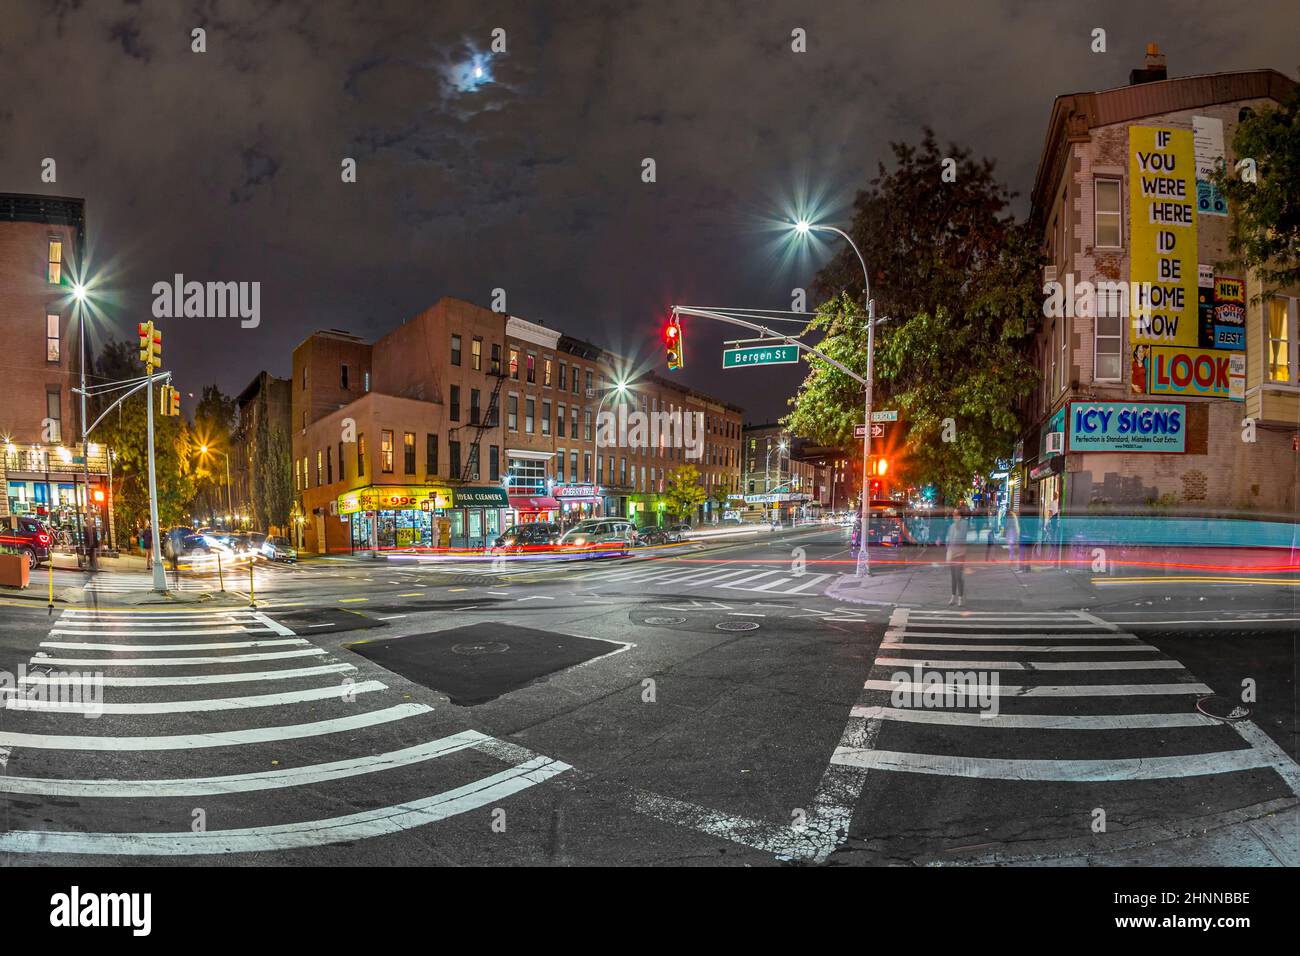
(1222, 708)
(665, 620)
(737, 625)
(487, 647)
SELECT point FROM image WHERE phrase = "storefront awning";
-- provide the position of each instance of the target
(533, 503)
(479, 497)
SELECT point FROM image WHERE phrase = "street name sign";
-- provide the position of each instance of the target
(760, 355)
(890, 415)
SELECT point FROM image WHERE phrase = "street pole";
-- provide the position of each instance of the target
(85, 447)
(229, 496)
(864, 554)
(159, 576)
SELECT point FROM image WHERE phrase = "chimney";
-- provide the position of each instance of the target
(1153, 70)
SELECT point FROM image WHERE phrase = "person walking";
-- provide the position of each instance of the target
(146, 540)
(956, 556)
(1013, 540)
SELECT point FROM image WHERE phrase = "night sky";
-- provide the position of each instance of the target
(226, 165)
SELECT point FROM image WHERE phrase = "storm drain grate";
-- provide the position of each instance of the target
(737, 625)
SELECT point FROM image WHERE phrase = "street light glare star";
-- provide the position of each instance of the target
(802, 227)
(79, 291)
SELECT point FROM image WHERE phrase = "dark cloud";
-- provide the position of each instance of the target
(225, 165)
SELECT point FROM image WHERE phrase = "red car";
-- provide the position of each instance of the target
(28, 537)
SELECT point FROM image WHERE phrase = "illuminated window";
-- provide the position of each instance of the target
(52, 338)
(361, 456)
(386, 452)
(514, 364)
(408, 452)
(1280, 317)
(54, 266)
(476, 355)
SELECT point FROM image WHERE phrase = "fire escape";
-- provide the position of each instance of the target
(481, 423)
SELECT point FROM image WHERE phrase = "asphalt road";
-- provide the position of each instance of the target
(685, 706)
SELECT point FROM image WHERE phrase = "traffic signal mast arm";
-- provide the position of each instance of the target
(140, 383)
(788, 340)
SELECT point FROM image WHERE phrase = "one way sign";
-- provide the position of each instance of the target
(877, 431)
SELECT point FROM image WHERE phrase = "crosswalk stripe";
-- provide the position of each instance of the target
(206, 704)
(242, 783)
(201, 631)
(812, 579)
(221, 645)
(173, 661)
(1006, 626)
(1042, 690)
(1033, 665)
(216, 738)
(1036, 721)
(239, 677)
(357, 826)
(1037, 636)
(1034, 648)
(1071, 771)
(752, 577)
(711, 575)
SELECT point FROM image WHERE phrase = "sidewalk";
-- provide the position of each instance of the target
(991, 585)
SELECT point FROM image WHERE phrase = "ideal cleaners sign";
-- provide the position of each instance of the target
(1127, 426)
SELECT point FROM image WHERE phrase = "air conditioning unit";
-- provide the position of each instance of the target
(334, 507)
(591, 393)
(1049, 274)
(1056, 443)
(474, 477)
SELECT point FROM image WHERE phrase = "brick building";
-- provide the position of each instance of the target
(41, 465)
(1151, 351)
(784, 477)
(462, 421)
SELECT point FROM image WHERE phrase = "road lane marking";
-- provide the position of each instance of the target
(384, 821)
(1052, 770)
(1043, 690)
(352, 600)
(1032, 665)
(239, 677)
(91, 646)
(1028, 648)
(1017, 635)
(182, 632)
(219, 738)
(176, 661)
(207, 704)
(244, 782)
(1036, 721)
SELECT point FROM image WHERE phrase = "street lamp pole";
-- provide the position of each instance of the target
(79, 294)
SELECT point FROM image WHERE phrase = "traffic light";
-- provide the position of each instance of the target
(169, 401)
(673, 344)
(150, 345)
(875, 489)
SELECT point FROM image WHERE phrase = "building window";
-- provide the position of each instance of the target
(496, 359)
(386, 452)
(494, 463)
(1280, 317)
(297, 476)
(474, 398)
(455, 350)
(546, 373)
(361, 456)
(408, 451)
(53, 411)
(455, 403)
(563, 384)
(575, 380)
(453, 454)
(343, 376)
(559, 465)
(586, 424)
(1109, 230)
(546, 418)
(52, 339)
(1106, 357)
(54, 266)
(514, 364)
(530, 412)
(512, 413)
(366, 380)
(430, 455)
(588, 381)
(559, 421)
(472, 464)
(573, 465)
(1065, 355)
(320, 462)
(532, 368)
(622, 472)
(304, 378)
(476, 354)
(573, 420)
(329, 466)
(342, 470)
(586, 468)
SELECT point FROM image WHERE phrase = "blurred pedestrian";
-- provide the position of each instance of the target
(956, 556)
(146, 539)
(1013, 540)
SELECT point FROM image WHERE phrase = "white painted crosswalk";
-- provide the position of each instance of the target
(1057, 699)
(683, 576)
(125, 684)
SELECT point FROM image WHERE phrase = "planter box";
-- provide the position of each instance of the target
(14, 572)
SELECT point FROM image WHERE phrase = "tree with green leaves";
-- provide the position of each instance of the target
(214, 428)
(956, 281)
(1265, 199)
(684, 492)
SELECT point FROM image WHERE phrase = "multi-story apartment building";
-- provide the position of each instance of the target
(781, 480)
(264, 408)
(465, 421)
(1168, 374)
(41, 468)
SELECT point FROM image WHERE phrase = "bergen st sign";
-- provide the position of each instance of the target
(746, 355)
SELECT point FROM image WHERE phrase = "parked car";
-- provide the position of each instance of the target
(604, 534)
(534, 536)
(651, 535)
(278, 549)
(28, 537)
(180, 542)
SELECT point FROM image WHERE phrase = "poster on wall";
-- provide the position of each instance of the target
(1229, 313)
(1163, 266)
(1127, 427)
(1207, 138)
(1207, 373)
